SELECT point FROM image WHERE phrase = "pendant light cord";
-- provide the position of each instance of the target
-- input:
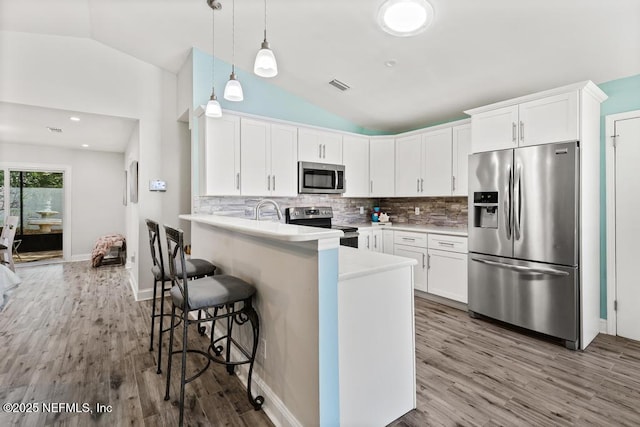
(265, 20)
(233, 37)
(213, 48)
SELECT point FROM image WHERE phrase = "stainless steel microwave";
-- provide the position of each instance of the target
(320, 178)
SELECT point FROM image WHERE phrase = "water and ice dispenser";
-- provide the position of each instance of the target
(485, 209)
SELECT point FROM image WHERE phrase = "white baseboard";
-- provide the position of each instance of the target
(145, 294)
(80, 257)
(603, 326)
(273, 406)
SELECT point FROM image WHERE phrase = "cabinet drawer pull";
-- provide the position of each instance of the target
(449, 244)
(409, 238)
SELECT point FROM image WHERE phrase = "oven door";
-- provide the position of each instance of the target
(350, 239)
(320, 178)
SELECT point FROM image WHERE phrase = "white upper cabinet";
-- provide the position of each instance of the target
(409, 165)
(355, 156)
(255, 158)
(544, 120)
(284, 165)
(219, 141)
(460, 160)
(495, 130)
(424, 164)
(381, 167)
(319, 146)
(436, 151)
(551, 119)
(268, 159)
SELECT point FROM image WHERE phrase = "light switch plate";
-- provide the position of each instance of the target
(417, 210)
(361, 210)
(157, 185)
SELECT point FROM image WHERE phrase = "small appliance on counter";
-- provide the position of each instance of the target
(321, 217)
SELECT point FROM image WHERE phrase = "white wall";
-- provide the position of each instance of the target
(96, 189)
(86, 76)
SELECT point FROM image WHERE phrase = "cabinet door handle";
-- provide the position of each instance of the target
(320, 151)
(268, 182)
(371, 185)
(324, 151)
(375, 241)
(418, 185)
(423, 265)
(238, 181)
(422, 185)
(368, 247)
(513, 131)
(521, 130)
(428, 262)
(453, 184)
(273, 177)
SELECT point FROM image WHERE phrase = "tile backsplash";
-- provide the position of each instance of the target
(438, 211)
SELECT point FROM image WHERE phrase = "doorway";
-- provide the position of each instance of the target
(623, 227)
(38, 197)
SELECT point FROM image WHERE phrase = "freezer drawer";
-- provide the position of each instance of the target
(536, 296)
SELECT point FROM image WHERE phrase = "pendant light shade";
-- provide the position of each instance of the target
(233, 89)
(213, 106)
(265, 65)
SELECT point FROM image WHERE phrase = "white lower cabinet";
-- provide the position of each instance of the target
(365, 238)
(387, 241)
(420, 270)
(447, 267)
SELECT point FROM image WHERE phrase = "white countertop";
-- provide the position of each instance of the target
(266, 229)
(433, 229)
(356, 262)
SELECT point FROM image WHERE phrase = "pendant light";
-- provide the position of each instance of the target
(265, 65)
(213, 106)
(233, 89)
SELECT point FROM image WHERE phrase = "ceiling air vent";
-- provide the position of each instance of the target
(55, 130)
(338, 84)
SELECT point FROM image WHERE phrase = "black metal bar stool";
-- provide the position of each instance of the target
(209, 294)
(195, 268)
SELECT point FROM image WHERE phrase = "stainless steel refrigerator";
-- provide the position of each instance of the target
(524, 238)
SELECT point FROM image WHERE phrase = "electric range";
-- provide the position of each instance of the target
(322, 216)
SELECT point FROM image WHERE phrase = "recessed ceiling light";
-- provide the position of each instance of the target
(54, 130)
(390, 63)
(85, 145)
(74, 119)
(404, 18)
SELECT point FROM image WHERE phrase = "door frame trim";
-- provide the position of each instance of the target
(610, 175)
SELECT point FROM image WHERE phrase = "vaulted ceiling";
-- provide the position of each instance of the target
(475, 52)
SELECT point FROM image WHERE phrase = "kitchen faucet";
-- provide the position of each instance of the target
(263, 202)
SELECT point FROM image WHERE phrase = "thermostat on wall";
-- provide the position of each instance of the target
(157, 185)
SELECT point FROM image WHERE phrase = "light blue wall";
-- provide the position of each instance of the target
(624, 95)
(261, 97)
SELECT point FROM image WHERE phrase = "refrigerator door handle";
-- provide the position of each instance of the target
(507, 206)
(517, 196)
(522, 268)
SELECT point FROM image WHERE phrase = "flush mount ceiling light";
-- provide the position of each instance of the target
(233, 89)
(404, 18)
(265, 65)
(213, 106)
(74, 119)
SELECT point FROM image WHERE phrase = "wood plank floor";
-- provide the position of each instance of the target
(477, 373)
(71, 333)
